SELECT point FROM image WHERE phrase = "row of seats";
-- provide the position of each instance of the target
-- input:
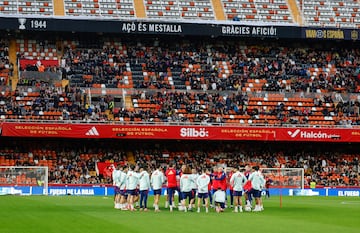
(36, 49)
(179, 9)
(329, 13)
(103, 8)
(332, 13)
(258, 10)
(27, 7)
(236, 109)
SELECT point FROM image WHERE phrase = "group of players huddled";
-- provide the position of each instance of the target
(133, 183)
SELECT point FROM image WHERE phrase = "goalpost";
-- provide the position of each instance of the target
(24, 180)
(290, 178)
(285, 177)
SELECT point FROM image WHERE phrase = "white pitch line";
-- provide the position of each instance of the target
(350, 202)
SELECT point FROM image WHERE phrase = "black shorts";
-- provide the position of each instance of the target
(187, 195)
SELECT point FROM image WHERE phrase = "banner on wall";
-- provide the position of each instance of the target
(186, 132)
(176, 27)
(102, 190)
(330, 33)
(106, 168)
(157, 27)
(33, 62)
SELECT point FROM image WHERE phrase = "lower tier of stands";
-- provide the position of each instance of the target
(74, 162)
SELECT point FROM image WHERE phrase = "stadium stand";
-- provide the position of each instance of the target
(275, 89)
(183, 80)
(321, 13)
(180, 9)
(76, 164)
(258, 10)
(325, 13)
(6, 68)
(36, 49)
(27, 7)
(104, 8)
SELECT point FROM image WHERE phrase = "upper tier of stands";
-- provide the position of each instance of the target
(100, 8)
(179, 9)
(27, 7)
(258, 10)
(329, 13)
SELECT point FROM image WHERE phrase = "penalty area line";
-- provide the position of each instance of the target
(350, 202)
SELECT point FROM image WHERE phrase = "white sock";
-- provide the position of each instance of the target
(236, 209)
(207, 210)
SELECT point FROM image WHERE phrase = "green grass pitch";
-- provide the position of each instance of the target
(73, 214)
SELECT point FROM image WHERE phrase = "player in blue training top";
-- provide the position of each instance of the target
(157, 181)
(144, 187)
(202, 183)
(258, 183)
(237, 181)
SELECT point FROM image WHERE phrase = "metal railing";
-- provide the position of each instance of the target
(46, 76)
(178, 123)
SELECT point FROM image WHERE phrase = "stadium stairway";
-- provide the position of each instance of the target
(59, 7)
(218, 9)
(139, 9)
(128, 102)
(12, 58)
(295, 11)
(130, 157)
(109, 115)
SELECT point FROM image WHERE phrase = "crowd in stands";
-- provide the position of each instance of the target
(6, 68)
(202, 82)
(75, 162)
(219, 79)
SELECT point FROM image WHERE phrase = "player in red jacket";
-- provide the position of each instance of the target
(219, 179)
(248, 186)
(230, 187)
(172, 185)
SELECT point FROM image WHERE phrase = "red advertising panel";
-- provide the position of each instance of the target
(137, 131)
(186, 132)
(316, 134)
(26, 62)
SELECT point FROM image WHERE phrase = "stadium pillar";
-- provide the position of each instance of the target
(295, 11)
(59, 7)
(218, 10)
(13, 59)
(139, 9)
